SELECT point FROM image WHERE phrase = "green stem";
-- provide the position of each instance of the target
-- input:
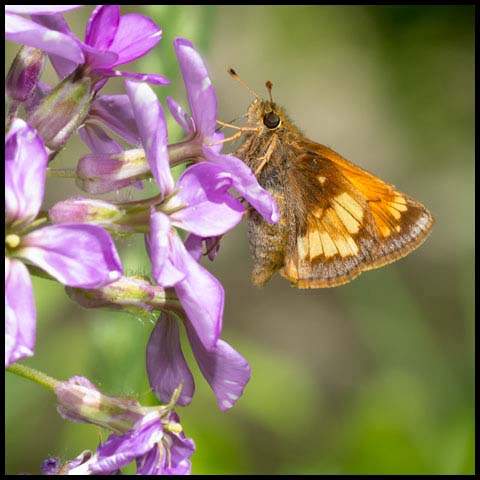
(61, 172)
(34, 375)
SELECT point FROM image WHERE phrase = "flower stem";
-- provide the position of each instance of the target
(61, 172)
(34, 375)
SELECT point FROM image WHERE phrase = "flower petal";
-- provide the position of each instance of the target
(158, 246)
(77, 255)
(153, 78)
(200, 293)
(119, 450)
(200, 91)
(20, 316)
(63, 66)
(226, 371)
(181, 450)
(102, 26)
(26, 32)
(40, 9)
(194, 244)
(181, 116)
(135, 37)
(166, 366)
(210, 210)
(97, 140)
(246, 184)
(25, 170)
(116, 113)
(153, 132)
(175, 463)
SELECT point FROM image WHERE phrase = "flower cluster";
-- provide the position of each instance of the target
(71, 242)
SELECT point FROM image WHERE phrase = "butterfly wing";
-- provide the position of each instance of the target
(345, 220)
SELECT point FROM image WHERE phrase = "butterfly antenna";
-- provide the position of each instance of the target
(269, 86)
(234, 75)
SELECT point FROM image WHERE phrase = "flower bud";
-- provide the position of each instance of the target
(63, 110)
(102, 173)
(24, 73)
(87, 210)
(80, 401)
(135, 295)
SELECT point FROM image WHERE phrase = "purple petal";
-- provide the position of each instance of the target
(166, 366)
(98, 59)
(246, 184)
(119, 450)
(200, 91)
(26, 32)
(116, 113)
(154, 79)
(20, 313)
(40, 9)
(153, 132)
(193, 243)
(213, 246)
(210, 210)
(181, 116)
(158, 242)
(77, 255)
(97, 140)
(25, 170)
(226, 371)
(200, 293)
(51, 466)
(136, 36)
(102, 26)
(176, 463)
(62, 66)
(181, 450)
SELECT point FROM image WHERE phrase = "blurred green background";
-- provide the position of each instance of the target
(375, 377)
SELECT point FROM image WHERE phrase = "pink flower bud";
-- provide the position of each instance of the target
(24, 73)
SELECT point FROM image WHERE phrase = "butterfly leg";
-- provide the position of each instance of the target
(266, 157)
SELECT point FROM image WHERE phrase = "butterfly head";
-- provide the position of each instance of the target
(263, 114)
(266, 115)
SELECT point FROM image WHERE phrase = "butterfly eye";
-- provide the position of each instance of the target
(271, 120)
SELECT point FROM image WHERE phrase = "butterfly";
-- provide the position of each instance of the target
(336, 219)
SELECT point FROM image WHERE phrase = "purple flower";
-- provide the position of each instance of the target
(201, 205)
(226, 371)
(152, 436)
(110, 40)
(155, 443)
(77, 255)
(201, 127)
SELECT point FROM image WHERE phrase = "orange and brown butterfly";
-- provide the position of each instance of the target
(336, 219)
